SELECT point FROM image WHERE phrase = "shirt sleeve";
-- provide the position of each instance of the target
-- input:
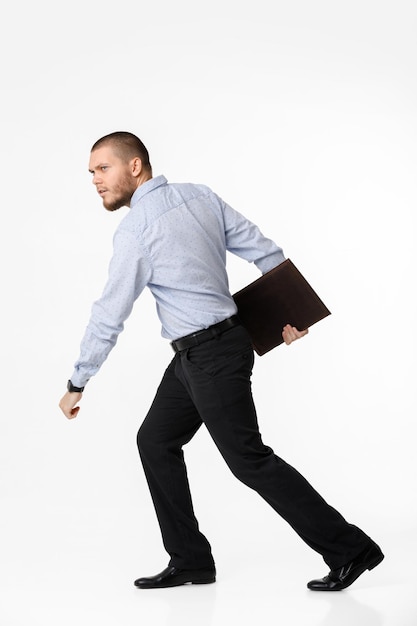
(129, 273)
(245, 239)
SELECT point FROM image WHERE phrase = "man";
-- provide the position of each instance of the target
(174, 241)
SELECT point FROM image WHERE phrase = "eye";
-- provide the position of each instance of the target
(104, 168)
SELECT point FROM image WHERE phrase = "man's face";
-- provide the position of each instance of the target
(112, 177)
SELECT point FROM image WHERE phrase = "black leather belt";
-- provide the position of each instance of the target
(195, 339)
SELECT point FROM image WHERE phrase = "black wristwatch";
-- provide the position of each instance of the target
(71, 388)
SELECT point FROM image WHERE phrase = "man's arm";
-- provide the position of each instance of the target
(129, 273)
(245, 239)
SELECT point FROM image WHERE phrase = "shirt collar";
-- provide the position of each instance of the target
(145, 188)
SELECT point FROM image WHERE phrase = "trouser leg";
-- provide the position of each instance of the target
(217, 377)
(171, 422)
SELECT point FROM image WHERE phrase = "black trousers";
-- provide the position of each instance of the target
(210, 384)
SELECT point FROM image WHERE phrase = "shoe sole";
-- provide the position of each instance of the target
(203, 581)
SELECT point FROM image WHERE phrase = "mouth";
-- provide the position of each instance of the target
(101, 192)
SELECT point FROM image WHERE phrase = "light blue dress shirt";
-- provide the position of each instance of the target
(174, 241)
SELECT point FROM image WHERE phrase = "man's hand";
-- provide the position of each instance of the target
(291, 333)
(68, 402)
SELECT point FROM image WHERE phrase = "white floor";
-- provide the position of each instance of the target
(72, 570)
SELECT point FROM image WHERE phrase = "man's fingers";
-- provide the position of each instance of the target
(70, 413)
(291, 333)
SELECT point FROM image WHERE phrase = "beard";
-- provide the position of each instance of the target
(113, 204)
(119, 195)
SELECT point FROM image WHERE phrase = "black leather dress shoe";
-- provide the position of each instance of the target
(173, 577)
(342, 577)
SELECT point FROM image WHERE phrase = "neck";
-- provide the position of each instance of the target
(143, 178)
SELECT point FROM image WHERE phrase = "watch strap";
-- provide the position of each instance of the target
(72, 388)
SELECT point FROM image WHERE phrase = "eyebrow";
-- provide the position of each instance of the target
(98, 167)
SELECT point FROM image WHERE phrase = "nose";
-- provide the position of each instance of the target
(96, 178)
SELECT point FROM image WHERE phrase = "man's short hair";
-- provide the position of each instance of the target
(127, 146)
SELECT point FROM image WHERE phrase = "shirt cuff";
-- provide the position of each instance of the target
(78, 380)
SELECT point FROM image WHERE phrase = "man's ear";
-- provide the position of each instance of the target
(136, 165)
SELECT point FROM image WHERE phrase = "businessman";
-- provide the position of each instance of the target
(174, 241)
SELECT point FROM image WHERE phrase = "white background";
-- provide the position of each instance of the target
(301, 115)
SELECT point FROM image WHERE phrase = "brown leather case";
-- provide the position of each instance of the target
(279, 297)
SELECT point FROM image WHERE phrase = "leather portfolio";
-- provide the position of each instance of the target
(279, 297)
